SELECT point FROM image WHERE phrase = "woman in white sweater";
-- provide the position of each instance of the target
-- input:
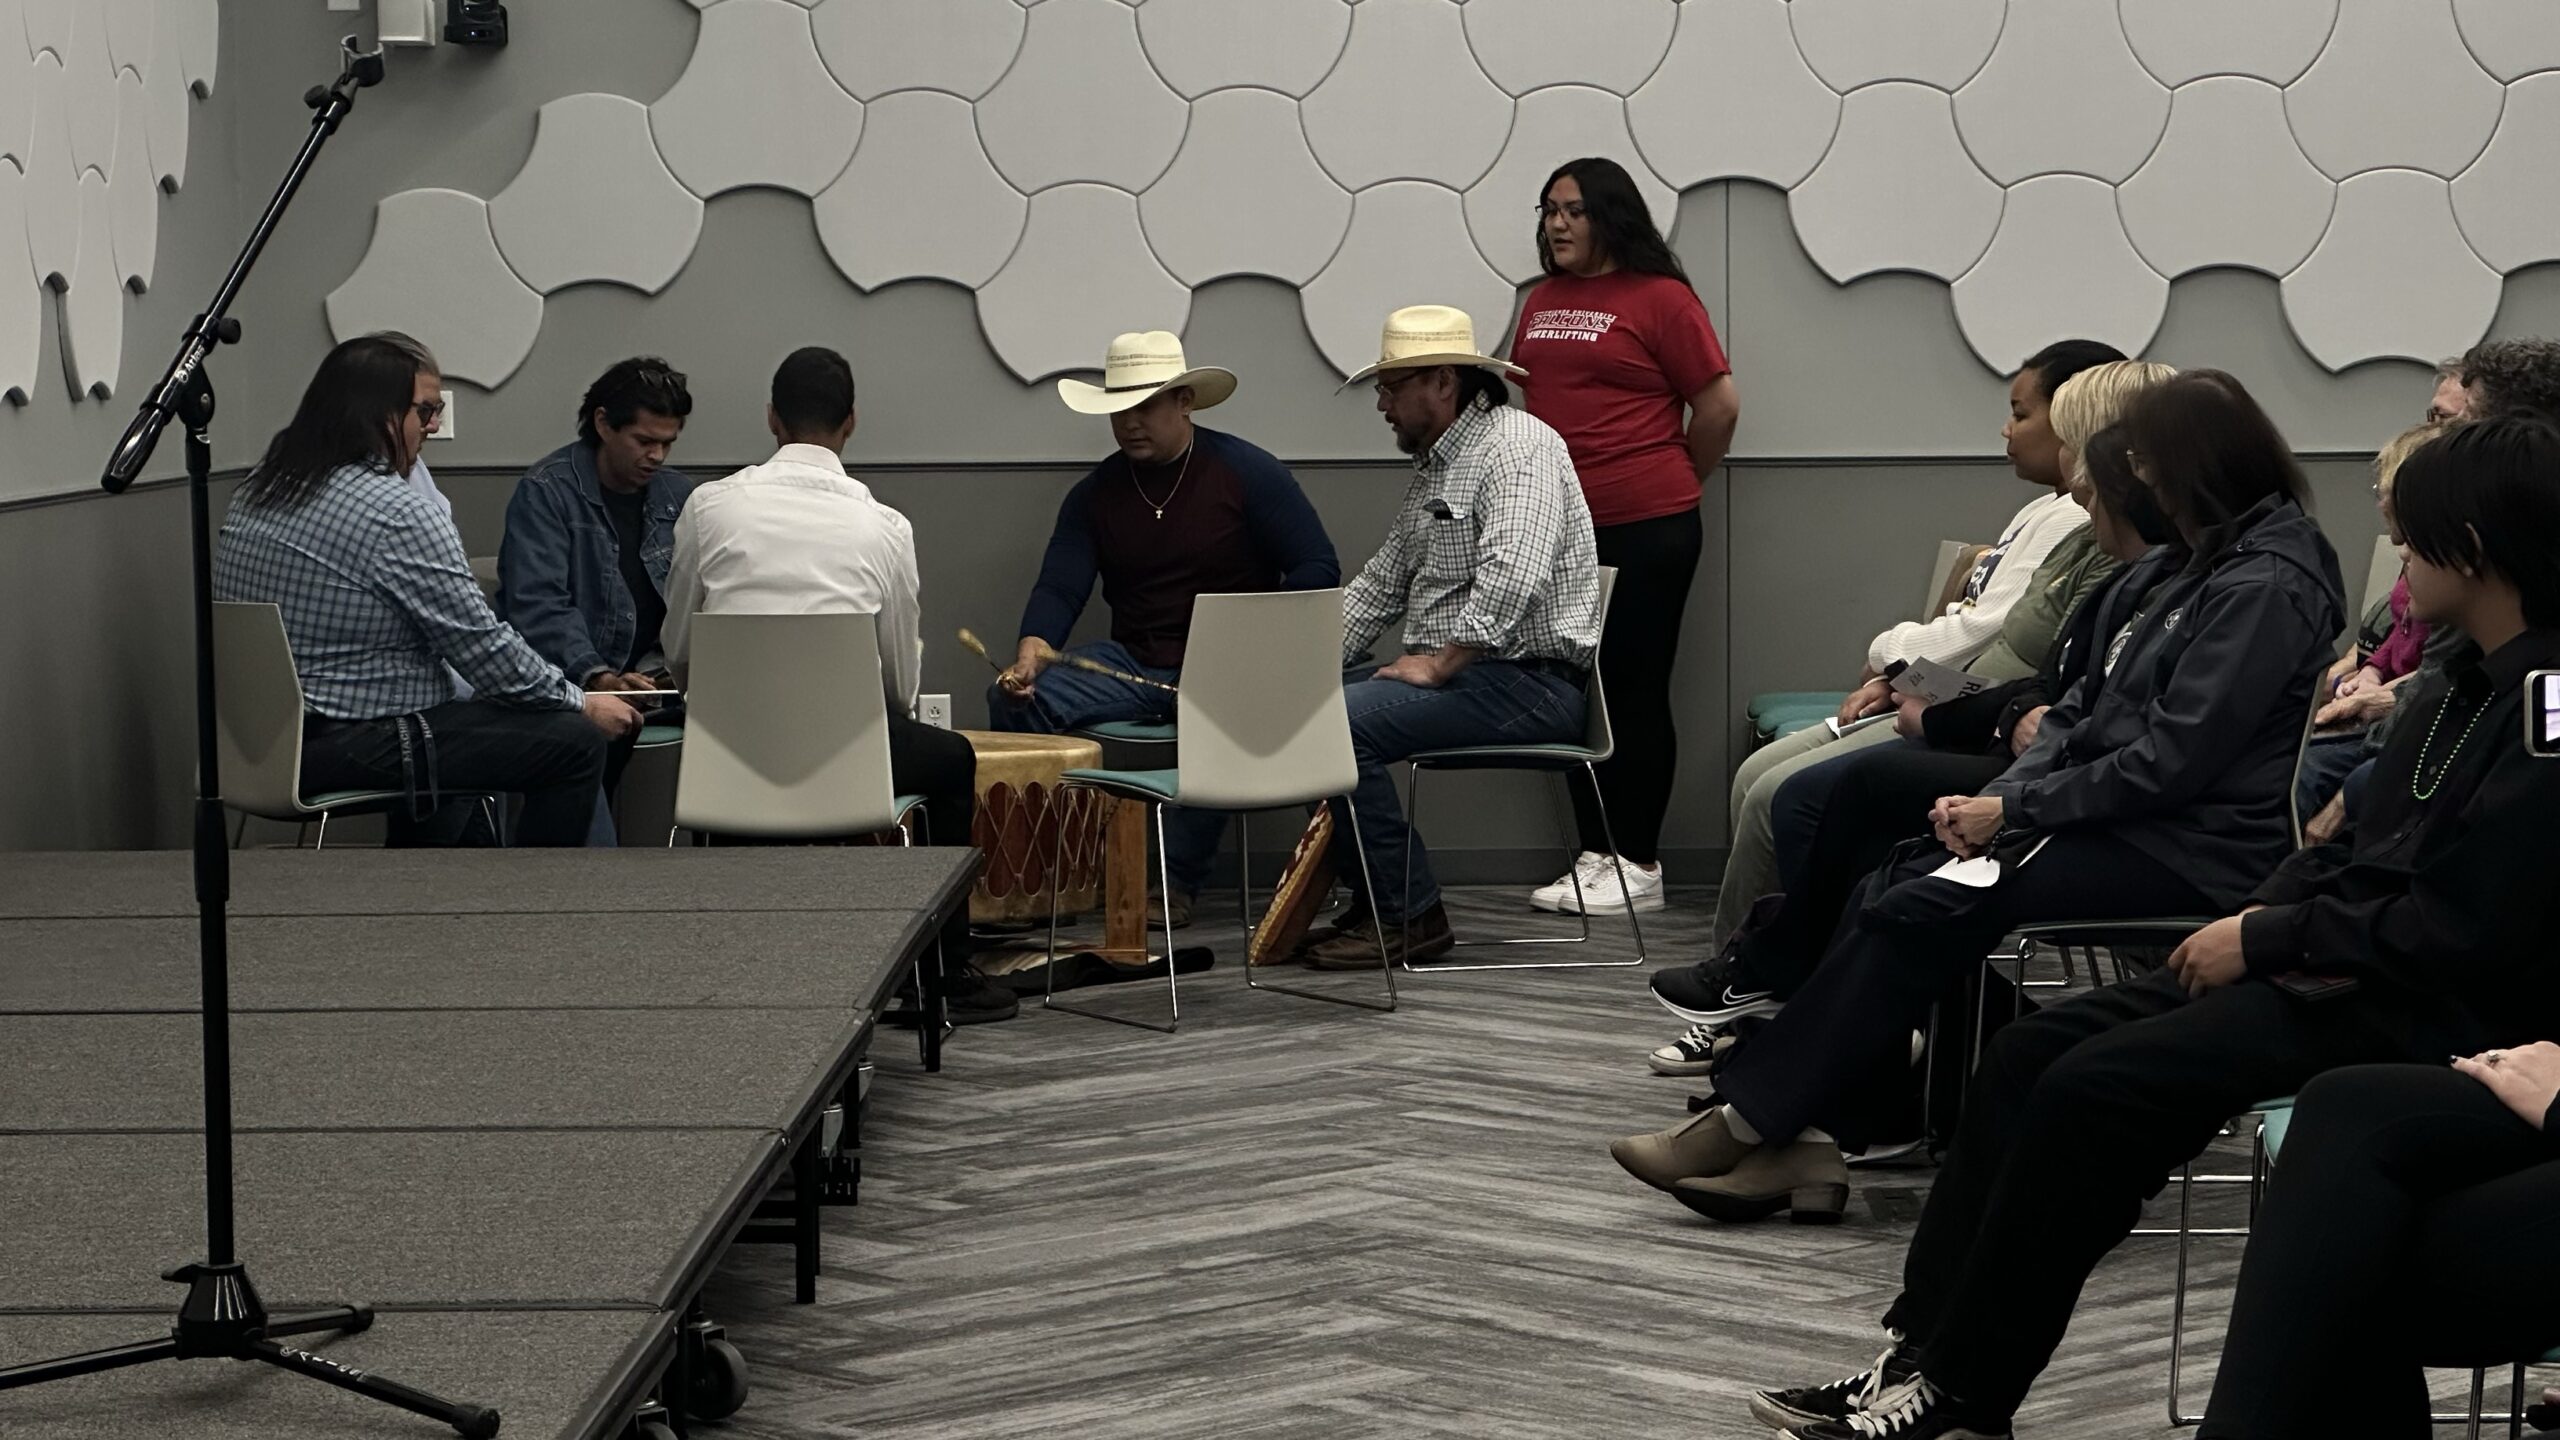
(1967, 628)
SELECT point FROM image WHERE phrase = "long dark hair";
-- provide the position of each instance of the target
(2486, 496)
(2210, 453)
(643, 382)
(1619, 220)
(2114, 485)
(351, 414)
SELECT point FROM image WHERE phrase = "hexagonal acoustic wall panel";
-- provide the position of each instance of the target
(22, 303)
(593, 159)
(434, 270)
(93, 303)
(1096, 158)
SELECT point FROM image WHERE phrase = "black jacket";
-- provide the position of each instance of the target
(2184, 747)
(1980, 723)
(2447, 900)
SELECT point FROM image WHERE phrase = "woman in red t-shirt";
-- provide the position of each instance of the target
(1624, 363)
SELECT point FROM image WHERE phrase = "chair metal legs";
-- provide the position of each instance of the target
(933, 1005)
(1608, 835)
(1164, 890)
(1386, 967)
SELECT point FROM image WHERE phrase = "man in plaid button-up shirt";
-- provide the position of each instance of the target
(1491, 568)
(377, 599)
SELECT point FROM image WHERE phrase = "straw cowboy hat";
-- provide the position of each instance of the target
(1420, 336)
(1139, 366)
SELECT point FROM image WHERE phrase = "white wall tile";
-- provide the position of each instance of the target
(2393, 276)
(1850, 43)
(434, 271)
(22, 301)
(916, 143)
(2510, 38)
(1612, 45)
(2396, 87)
(1082, 274)
(133, 187)
(2184, 40)
(169, 100)
(1245, 196)
(91, 77)
(2507, 202)
(1407, 100)
(1081, 103)
(93, 304)
(53, 182)
(2228, 185)
(2059, 268)
(595, 202)
(877, 46)
(1204, 45)
(1897, 190)
(755, 105)
(2062, 95)
(1734, 99)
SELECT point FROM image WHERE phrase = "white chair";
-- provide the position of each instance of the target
(258, 719)
(1263, 726)
(786, 737)
(1596, 745)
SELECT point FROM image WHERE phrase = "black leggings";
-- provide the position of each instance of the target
(2409, 1224)
(1656, 560)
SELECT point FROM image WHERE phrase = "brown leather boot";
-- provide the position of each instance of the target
(1361, 948)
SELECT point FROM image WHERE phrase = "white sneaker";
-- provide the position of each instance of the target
(1559, 896)
(1601, 896)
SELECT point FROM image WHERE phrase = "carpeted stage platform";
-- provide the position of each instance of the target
(520, 1101)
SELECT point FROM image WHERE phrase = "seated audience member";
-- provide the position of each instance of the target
(2408, 1224)
(1180, 511)
(2157, 785)
(798, 536)
(582, 571)
(1490, 567)
(2348, 725)
(1970, 626)
(378, 600)
(1881, 797)
(2428, 937)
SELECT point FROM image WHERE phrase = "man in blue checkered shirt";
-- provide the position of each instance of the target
(1492, 569)
(378, 598)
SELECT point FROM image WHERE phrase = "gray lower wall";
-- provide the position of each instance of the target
(1803, 563)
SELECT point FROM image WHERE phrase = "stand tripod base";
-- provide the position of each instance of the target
(222, 1319)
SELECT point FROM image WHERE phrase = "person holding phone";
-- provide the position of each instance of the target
(2429, 936)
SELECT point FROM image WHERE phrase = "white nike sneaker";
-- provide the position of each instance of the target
(1559, 896)
(1601, 896)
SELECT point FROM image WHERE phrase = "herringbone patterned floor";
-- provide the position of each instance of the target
(1296, 1220)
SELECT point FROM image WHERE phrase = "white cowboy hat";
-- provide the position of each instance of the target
(1420, 336)
(1137, 367)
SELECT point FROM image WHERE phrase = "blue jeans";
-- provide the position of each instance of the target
(1068, 699)
(1488, 703)
(2325, 767)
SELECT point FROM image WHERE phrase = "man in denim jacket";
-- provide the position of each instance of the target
(583, 568)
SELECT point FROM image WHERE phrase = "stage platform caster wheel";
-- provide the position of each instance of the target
(719, 1386)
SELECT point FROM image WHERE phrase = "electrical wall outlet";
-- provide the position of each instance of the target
(444, 421)
(934, 710)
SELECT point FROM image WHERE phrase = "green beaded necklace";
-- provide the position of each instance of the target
(2417, 777)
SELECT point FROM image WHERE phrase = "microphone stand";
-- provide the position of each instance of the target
(222, 1317)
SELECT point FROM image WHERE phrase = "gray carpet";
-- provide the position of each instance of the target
(785, 959)
(533, 1367)
(579, 1218)
(1291, 1220)
(41, 885)
(717, 1069)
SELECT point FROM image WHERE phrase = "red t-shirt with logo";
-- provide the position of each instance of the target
(1612, 360)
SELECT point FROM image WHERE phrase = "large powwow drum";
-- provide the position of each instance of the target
(1022, 809)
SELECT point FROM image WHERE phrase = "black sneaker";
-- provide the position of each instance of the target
(972, 998)
(1694, 1053)
(1837, 1401)
(1912, 1410)
(1712, 993)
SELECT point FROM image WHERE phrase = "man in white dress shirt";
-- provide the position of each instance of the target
(798, 536)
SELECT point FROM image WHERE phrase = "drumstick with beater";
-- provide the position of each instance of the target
(1072, 662)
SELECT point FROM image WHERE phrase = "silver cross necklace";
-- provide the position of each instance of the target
(1179, 477)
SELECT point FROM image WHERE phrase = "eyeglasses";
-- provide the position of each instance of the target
(1571, 209)
(429, 411)
(1387, 387)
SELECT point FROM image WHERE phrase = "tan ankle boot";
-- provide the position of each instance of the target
(1807, 1179)
(1699, 1146)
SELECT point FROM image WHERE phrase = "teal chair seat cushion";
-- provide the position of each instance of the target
(1508, 757)
(2271, 1130)
(1790, 702)
(1140, 731)
(653, 736)
(1155, 785)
